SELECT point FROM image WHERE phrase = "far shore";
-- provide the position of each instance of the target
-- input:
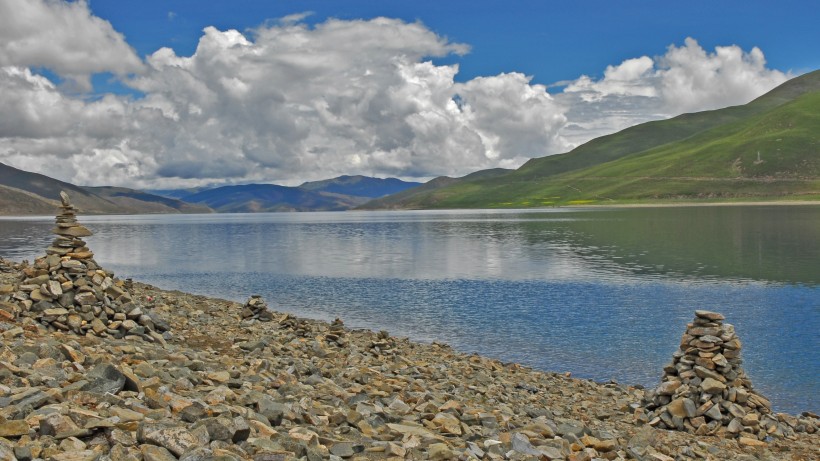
(4, 215)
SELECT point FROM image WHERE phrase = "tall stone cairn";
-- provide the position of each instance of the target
(67, 290)
(706, 392)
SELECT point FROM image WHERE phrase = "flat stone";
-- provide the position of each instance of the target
(74, 231)
(155, 453)
(440, 452)
(521, 444)
(81, 455)
(14, 428)
(668, 387)
(708, 315)
(176, 439)
(749, 442)
(342, 449)
(412, 430)
(61, 427)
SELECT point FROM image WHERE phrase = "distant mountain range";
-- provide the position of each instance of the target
(26, 193)
(768, 149)
(342, 193)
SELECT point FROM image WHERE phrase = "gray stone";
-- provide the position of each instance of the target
(521, 444)
(104, 379)
(343, 449)
(176, 439)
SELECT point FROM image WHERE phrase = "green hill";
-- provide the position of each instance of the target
(710, 155)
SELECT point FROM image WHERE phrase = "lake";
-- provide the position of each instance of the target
(602, 293)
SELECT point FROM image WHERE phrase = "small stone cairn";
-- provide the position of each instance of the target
(255, 308)
(67, 290)
(706, 392)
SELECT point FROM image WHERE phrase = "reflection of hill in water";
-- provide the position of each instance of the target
(776, 244)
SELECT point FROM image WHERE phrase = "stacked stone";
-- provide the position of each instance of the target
(256, 309)
(67, 290)
(69, 232)
(337, 333)
(705, 391)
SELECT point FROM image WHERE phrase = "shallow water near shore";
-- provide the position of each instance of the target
(602, 293)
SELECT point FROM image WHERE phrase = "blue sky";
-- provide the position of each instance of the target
(551, 41)
(166, 94)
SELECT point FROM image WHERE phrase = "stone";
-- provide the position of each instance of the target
(156, 453)
(176, 439)
(750, 442)
(440, 452)
(668, 387)
(712, 386)
(709, 315)
(342, 449)
(61, 427)
(13, 428)
(104, 379)
(521, 444)
(80, 455)
(682, 408)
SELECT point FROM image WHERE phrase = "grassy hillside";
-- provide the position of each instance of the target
(429, 189)
(704, 156)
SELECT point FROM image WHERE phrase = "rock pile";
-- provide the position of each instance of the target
(255, 308)
(67, 290)
(337, 333)
(706, 392)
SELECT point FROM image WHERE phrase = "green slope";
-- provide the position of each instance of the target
(703, 156)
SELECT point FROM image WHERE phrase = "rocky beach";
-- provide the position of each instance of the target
(97, 368)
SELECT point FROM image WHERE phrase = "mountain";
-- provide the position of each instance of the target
(130, 199)
(177, 193)
(254, 198)
(26, 193)
(360, 186)
(401, 199)
(335, 194)
(764, 150)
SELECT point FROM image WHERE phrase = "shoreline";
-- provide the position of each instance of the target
(307, 389)
(591, 205)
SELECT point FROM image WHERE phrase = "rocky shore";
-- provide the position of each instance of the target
(96, 368)
(218, 387)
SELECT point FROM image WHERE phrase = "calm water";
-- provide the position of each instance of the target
(605, 294)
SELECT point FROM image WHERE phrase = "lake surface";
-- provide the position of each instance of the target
(602, 293)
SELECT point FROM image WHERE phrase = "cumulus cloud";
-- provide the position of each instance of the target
(64, 37)
(342, 97)
(685, 79)
(288, 102)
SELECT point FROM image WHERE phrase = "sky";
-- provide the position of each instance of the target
(161, 94)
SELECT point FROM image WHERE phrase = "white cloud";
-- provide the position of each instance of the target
(64, 37)
(685, 79)
(291, 102)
